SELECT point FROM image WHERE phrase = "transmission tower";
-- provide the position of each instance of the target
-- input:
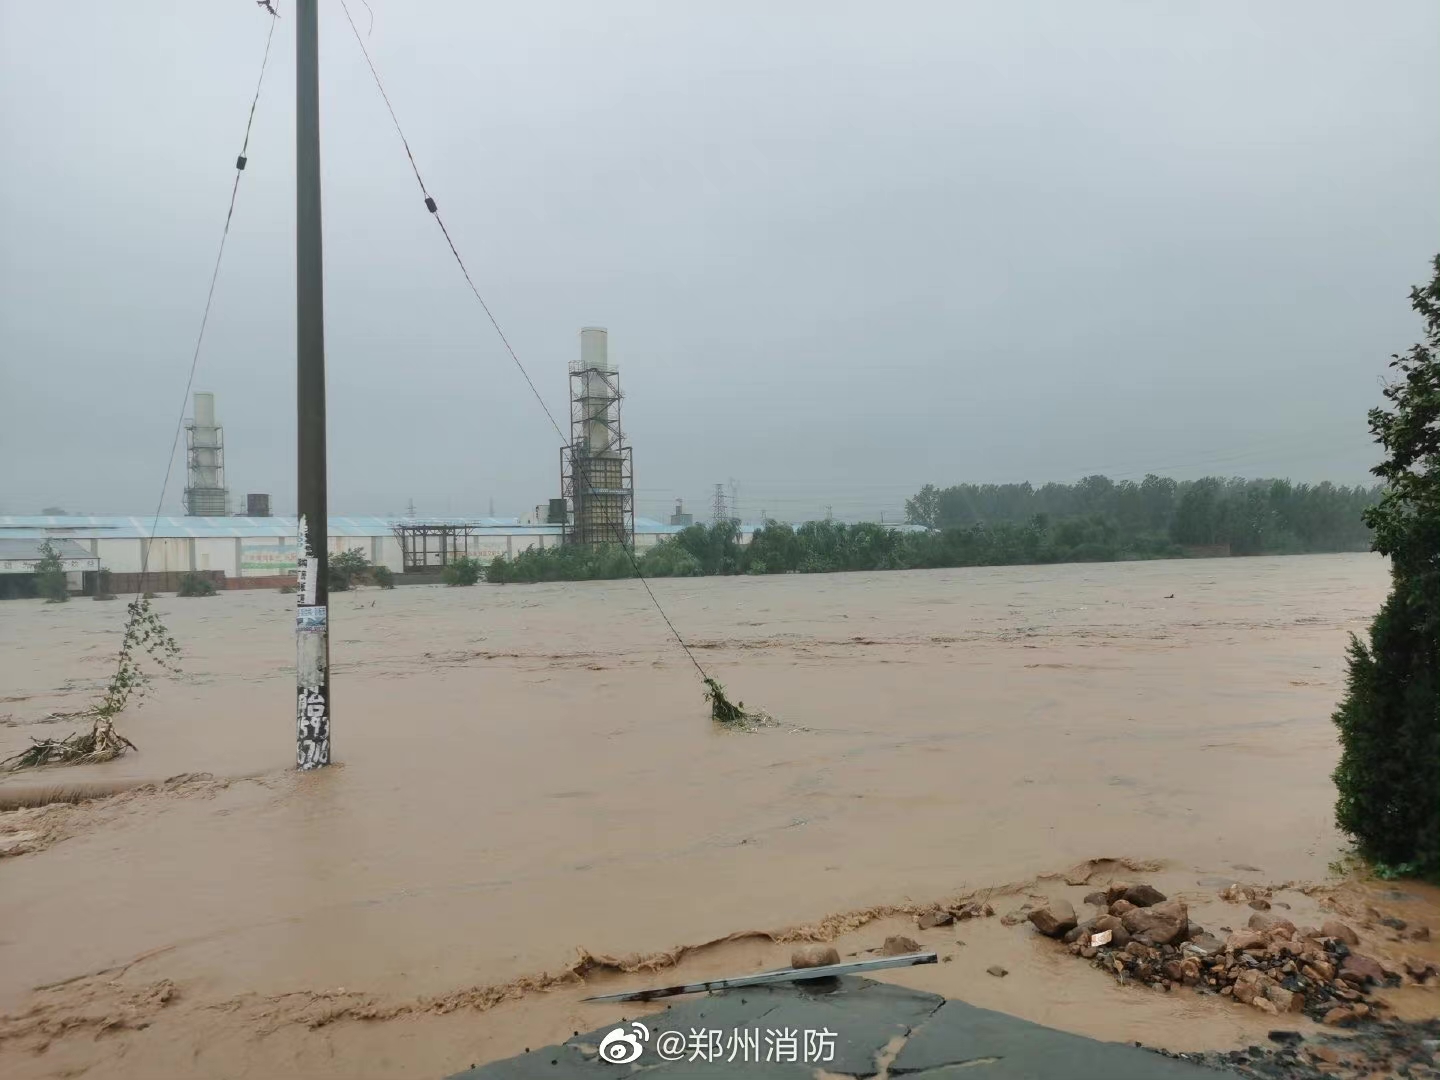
(718, 507)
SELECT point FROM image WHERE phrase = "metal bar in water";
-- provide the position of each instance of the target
(782, 975)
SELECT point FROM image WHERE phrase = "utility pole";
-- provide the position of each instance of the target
(312, 621)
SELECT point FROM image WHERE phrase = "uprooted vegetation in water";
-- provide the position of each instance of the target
(731, 713)
(145, 635)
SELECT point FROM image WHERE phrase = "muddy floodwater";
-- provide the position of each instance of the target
(528, 775)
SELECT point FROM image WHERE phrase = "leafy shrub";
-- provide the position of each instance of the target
(287, 589)
(463, 571)
(192, 584)
(50, 575)
(669, 559)
(348, 569)
(102, 585)
(382, 576)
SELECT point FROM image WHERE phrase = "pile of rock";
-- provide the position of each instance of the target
(1387, 1048)
(1141, 936)
(942, 916)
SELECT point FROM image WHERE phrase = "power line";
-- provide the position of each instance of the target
(434, 209)
(240, 163)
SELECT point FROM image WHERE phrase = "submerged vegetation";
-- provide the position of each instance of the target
(462, 571)
(193, 584)
(145, 636)
(732, 713)
(350, 569)
(347, 569)
(50, 575)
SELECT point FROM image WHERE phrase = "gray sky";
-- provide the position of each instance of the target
(842, 249)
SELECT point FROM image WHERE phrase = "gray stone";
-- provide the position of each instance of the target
(899, 945)
(1203, 945)
(1144, 895)
(1055, 918)
(1265, 922)
(928, 920)
(1162, 924)
(1334, 928)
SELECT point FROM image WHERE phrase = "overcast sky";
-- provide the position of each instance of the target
(842, 249)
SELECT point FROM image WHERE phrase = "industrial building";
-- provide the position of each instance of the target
(597, 506)
(20, 555)
(264, 547)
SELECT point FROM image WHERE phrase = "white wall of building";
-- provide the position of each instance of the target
(267, 556)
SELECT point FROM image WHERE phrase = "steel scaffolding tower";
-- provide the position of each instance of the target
(205, 493)
(597, 477)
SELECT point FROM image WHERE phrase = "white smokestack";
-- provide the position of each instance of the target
(594, 348)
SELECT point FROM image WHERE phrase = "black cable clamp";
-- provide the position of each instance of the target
(240, 163)
(430, 204)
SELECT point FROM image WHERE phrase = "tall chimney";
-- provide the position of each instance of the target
(205, 494)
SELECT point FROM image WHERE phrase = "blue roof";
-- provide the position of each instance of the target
(37, 527)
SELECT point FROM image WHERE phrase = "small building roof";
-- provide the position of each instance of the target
(29, 550)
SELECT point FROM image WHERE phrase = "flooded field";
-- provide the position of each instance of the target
(528, 775)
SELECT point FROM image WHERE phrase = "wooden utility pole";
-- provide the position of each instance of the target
(312, 623)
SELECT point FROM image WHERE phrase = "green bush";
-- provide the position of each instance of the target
(102, 585)
(1390, 756)
(1389, 720)
(348, 569)
(192, 584)
(382, 576)
(50, 575)
(463, 571)
(669, 559)
(286, 589)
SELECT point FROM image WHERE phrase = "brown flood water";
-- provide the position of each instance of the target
(528, 771)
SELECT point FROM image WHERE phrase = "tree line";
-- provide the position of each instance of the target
(1252, 517)
(1094, 520)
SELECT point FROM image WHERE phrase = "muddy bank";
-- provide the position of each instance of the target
(528, 772)
(174, 1027)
